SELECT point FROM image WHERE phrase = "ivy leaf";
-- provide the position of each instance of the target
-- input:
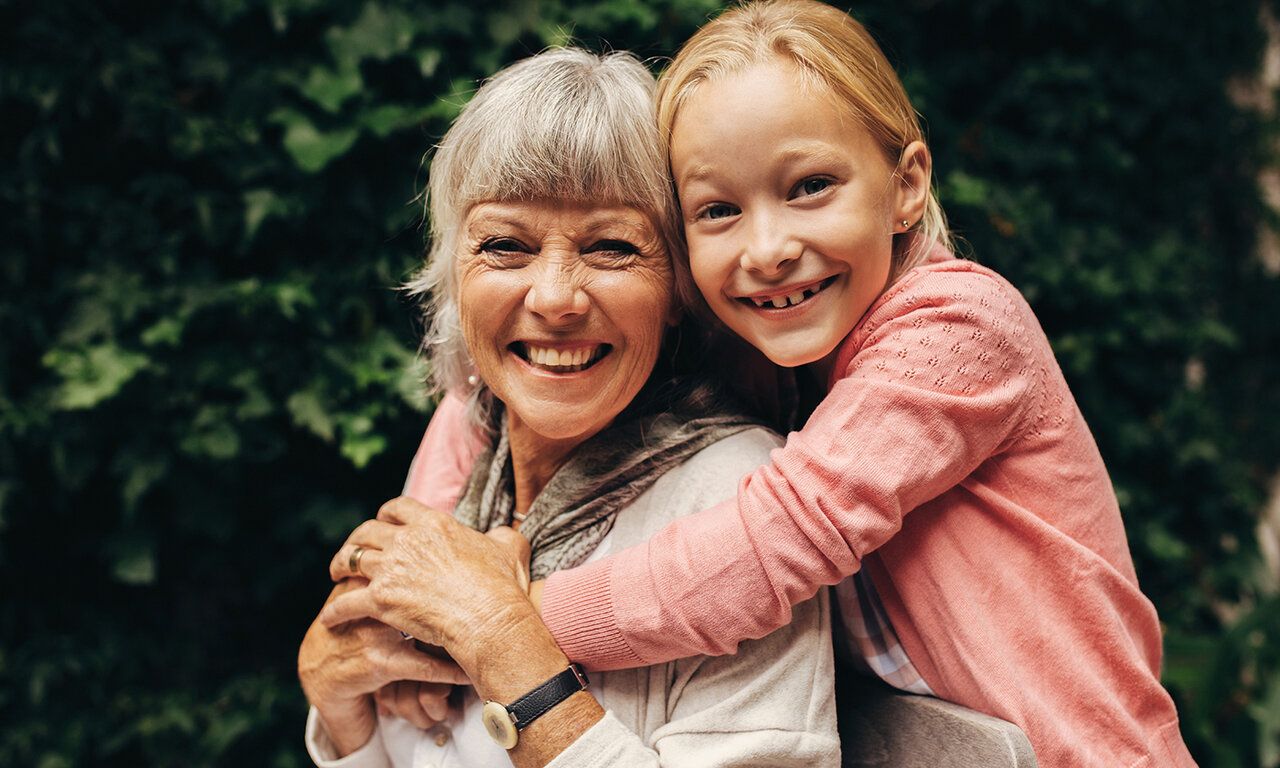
(309, 413)
(379, 33)
(311, 148)
(330, 88)
(93, 375)
(388, 118)
(135, 562)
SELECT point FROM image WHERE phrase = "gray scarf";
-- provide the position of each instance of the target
(576, 509)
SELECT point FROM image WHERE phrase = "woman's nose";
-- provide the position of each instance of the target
(555, 295)
(768, 248)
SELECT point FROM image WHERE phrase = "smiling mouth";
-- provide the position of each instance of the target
(784, 300)
(555, 360)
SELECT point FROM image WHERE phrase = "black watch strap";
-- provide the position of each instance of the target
(535, 703)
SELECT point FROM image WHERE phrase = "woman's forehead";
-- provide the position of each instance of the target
(586, 217)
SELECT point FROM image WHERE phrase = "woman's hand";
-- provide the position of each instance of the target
(423, 704)
(340, 669)
(433, 578)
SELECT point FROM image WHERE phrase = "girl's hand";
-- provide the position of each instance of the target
(340, 669)
(434, 578)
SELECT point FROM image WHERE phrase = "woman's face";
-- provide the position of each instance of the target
(563, 308)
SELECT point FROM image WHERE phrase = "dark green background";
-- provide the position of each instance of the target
(206, 377)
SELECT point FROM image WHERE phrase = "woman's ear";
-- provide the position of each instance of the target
(911, 190)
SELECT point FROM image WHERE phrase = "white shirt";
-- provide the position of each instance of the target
(772, 703)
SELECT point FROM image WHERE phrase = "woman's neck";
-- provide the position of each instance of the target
(535, 459)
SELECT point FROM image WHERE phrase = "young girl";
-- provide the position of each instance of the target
(947, 481)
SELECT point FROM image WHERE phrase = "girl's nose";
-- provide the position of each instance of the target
(554, 295)
(768, 249)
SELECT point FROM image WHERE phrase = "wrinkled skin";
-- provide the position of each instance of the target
(341, 668)
(417, 583)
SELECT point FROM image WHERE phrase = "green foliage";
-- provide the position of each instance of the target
(207, 378)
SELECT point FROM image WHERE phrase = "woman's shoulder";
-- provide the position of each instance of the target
(707, 478)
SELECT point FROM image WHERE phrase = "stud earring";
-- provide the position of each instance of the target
(473, 380)
(906, 224)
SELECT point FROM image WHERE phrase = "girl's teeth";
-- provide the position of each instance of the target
(790, 300)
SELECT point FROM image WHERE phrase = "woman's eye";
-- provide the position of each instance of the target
(719, 211)
(503, 245)
(811, 187)
(610, 253)
(620, 247)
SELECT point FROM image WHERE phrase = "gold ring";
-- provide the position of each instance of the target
(353, 562)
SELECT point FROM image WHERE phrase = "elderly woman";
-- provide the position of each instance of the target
(553, 306)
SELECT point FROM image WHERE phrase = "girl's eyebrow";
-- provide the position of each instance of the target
(699, 172)
(809, 151)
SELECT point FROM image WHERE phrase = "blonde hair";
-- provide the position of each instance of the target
(833, 49)
(565, 124)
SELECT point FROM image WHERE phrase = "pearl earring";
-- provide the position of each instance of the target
(473, 380)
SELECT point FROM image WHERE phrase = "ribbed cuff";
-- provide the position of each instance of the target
(577, 606)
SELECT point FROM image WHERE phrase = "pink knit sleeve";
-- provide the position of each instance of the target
(932, 382)
(442, 465)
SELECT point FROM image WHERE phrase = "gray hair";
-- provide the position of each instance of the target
(565, 124)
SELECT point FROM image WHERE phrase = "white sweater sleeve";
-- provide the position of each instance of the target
(323, 754)
(770, 704)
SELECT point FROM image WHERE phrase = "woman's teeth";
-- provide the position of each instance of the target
(563, 360)
(791, 299)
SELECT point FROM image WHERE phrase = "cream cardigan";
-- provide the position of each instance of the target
(771, 704)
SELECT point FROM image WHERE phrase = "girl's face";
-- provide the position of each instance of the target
(789, 208)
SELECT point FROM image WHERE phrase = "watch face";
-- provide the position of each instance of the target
(497, 721)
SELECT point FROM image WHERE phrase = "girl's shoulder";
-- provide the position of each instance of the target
(949, 310)
(937, 289)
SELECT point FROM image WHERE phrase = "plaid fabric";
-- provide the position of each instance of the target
(871, 640)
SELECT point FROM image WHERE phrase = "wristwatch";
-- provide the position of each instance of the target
(504, 722)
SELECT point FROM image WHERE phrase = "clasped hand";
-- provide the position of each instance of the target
(424, 574)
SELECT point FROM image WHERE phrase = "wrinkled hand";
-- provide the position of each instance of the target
(423, 704)
(434, 578)
(340, 668)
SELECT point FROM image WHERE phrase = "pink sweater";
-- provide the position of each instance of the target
(951, 461)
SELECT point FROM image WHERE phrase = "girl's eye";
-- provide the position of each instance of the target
(719, 211)
(810, 186)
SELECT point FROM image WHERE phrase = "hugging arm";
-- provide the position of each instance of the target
(894, 432)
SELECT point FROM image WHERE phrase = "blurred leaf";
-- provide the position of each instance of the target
(92, 375)
(309, 412)
(379, 33)
(329, 88)
(135, 563)
(310, 148)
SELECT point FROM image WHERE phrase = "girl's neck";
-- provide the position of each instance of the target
(820, 370)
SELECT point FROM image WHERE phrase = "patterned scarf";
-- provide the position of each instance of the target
(576, 509)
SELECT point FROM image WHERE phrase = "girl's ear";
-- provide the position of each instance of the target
(912, 185)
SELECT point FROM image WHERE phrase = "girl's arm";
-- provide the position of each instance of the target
(442, 465)
(940, 380)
